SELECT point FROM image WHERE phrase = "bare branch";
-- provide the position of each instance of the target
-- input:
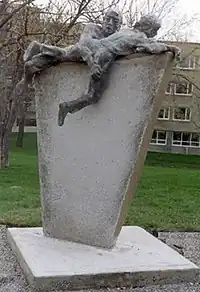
(15, 11)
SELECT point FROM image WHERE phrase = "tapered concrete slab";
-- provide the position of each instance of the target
(138, 259)
(89, 168)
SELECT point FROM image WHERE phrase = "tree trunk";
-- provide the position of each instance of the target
(20, 134)
(4, 162)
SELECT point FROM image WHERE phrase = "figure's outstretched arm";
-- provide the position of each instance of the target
(155, 47)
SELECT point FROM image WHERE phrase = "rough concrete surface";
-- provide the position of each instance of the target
(89, 167)
(12, 279)
(138, 259)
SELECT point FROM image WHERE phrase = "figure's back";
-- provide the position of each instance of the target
(124, 41)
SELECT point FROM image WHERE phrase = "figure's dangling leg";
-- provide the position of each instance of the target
(72, 107)
(63, 111)
(92, 96)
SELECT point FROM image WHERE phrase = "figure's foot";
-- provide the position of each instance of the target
(30, 68)
(32, 50)
(63, 111)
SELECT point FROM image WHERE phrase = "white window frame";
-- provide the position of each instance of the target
(157, 138)
(179, 143)
(186, 113)
(173, 90)
(170, 92)
(166, 114)
(184, 94)
(192, 63)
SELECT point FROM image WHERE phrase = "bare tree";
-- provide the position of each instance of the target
(58, 22)
(12, 44)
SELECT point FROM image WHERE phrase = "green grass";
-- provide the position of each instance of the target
(168, 195)
(19, 185)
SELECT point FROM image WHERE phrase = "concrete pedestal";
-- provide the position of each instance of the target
(138, 259)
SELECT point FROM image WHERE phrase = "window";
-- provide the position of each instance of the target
(186, 139)
(159, 137)
(188, 63)
(181, 114)
(195, 140)
(163, 114)
(28, 122)
(179, 87)
(183, 88)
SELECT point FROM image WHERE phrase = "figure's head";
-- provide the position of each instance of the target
(149, 24)
(112, 22)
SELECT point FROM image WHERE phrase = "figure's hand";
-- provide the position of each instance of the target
(96, 71)
(175, 50)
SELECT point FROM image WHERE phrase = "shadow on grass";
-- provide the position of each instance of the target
(173, 160)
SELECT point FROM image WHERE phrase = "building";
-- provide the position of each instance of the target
(177, 128)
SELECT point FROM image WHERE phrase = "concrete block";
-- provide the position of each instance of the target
(138, 259)
(89, 168)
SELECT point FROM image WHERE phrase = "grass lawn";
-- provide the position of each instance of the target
(168, 195)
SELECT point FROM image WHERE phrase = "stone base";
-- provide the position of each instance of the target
(138, 259)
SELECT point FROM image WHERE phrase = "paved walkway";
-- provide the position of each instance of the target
(12, 279)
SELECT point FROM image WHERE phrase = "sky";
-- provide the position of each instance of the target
(192, 9)
(190, 6)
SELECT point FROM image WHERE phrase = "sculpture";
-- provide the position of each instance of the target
(39, 56)
(103, 52)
